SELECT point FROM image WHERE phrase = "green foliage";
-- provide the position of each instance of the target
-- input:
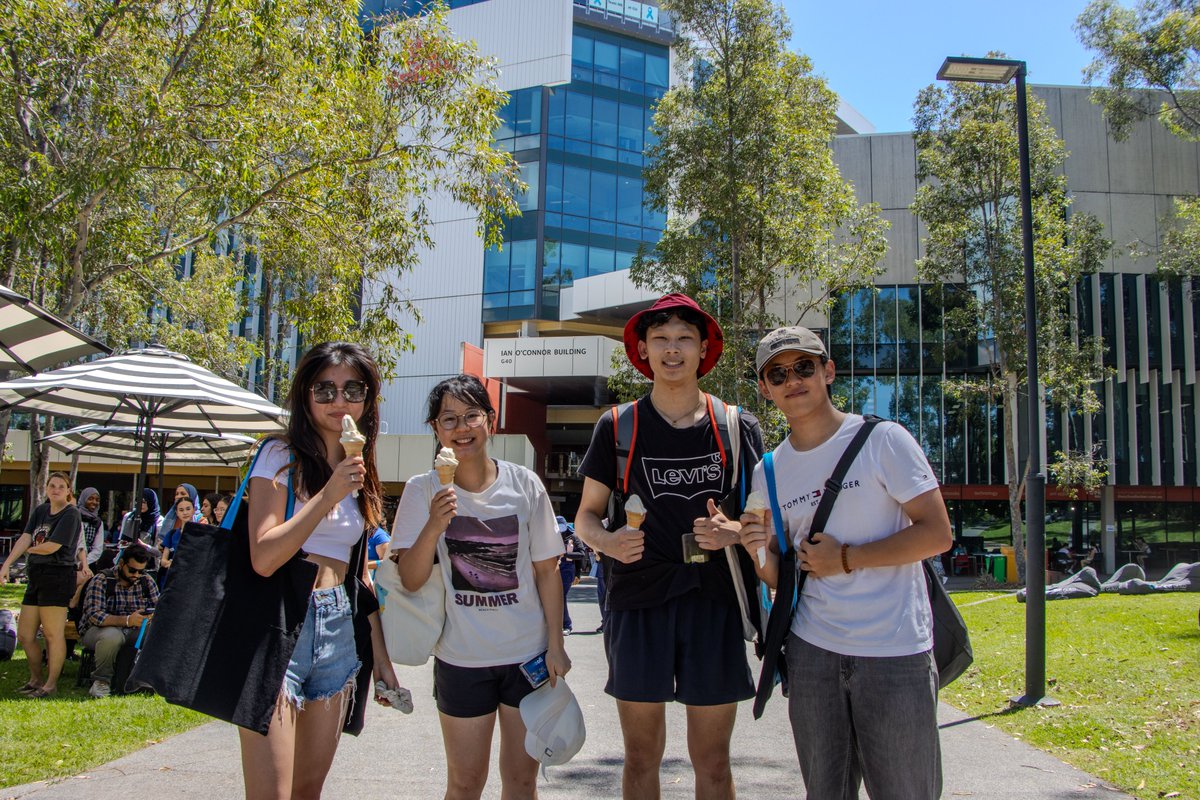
(272, 140)
(743, 166)
(967, 162)
(1128, 711)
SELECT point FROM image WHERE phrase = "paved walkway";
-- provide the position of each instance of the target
(400, 757)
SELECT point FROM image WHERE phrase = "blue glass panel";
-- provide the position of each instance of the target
(581, 50)
(553, 220)
(555, 143)
(606, 58)
(603, 228)
(531, 176)
(657, 71)
(624, 260)
(528, 114)
(498, 300)
(582, 74)
(579, 116)
(574, 262)
(558, 111)
(604, 196)
(518, 299)
(575, 223)
(605, 79)
(576, 191)
(551, 253)
(507, 114)
(495, 270)
(629, 232)
(633, 64)
(604, 122)
(631, 86)
(575, 146)
(600, 260)
(631, 128)
(626, 157)
(651, 218)
(606, 153)
(554, 187)
(524, 265)
(629, 201)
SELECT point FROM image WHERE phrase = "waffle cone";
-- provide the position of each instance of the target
(634, 520)
(353, 448)
(446, 475)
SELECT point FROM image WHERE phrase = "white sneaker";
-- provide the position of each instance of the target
(100, 689)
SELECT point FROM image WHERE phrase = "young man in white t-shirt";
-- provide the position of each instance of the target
(863, 685)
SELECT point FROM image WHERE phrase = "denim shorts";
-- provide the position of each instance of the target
(325, 660)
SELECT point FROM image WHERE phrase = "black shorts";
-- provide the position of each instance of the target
(690, 649)
(49, 585)
(476, 691)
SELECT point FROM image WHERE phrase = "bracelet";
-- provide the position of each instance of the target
(845, 563)
(128, 616)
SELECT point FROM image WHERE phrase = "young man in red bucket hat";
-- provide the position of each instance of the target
(674, 630)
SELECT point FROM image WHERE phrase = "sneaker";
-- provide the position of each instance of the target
(100, 689)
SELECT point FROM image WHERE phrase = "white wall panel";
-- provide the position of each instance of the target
(531, 39)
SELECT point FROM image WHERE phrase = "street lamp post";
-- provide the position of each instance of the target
(1001, 71)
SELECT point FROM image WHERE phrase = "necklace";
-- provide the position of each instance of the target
(674, 423)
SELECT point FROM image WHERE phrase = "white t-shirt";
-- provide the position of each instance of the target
(338, 532)
(878, 611)
(494, 614)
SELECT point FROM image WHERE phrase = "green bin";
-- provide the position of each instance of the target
(997, 566)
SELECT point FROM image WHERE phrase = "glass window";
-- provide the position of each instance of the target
(579, 116)
(629, 200)
(524, 264)
(657, 70)
(528, 111)
(604, 196)
(633, 64)
(600, 260)
(606, 58)
(531, 176)
(495, 270)
(604, 122)
(506, 114)
(558, 111)
(624, 259)
(576, 183)
(581, 50)
(554, 187)
(631, 127)
(551, 252)
(574, 262)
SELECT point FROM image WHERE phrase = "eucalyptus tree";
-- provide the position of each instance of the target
(968, 199)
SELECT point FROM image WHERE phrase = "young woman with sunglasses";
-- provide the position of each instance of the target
(497, 544)
(318, 697)
(51, 539)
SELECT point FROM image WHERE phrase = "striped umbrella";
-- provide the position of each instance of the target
(32, 339)
(125, 444)
(151, 388)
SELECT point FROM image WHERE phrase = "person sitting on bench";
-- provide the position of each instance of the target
(115, 603)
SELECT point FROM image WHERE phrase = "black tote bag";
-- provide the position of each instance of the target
(222, 634)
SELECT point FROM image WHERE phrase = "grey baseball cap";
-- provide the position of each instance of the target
(785, 340)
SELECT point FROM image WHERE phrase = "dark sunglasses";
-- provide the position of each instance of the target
(778, 375)
(327, 391)
(134, 571)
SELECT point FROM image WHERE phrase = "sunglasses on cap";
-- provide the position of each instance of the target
(327, 391)
(778, 374)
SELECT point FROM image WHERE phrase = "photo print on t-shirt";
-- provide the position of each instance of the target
(483, 553)
(683, 477)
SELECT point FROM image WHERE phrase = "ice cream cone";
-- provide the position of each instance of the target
(756, 505)
(635, 512)
(445, 465)
(352, 441)
(446, 474)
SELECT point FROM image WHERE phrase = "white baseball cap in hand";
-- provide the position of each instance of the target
(554, 729)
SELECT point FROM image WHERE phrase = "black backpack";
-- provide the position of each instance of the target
(75, 612)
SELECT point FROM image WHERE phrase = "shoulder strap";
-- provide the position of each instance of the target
(834, 485)
(625, 426)
(776, 515)
(231, 512)
(718, 415)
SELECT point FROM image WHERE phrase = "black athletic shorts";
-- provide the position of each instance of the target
(476, 691)
(690, 649)
(49, 585)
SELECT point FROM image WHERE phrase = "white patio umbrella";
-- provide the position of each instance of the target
(152, 389)
(32, 339)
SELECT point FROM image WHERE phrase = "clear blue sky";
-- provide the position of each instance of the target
(877, 54)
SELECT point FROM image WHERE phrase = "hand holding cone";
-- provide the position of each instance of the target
(352, 441)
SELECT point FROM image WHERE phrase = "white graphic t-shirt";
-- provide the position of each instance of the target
(879, 611)
(494, 614)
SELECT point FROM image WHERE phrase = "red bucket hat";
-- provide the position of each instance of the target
(713, 334)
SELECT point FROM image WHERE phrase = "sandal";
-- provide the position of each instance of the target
(29, 687)
(41, 693)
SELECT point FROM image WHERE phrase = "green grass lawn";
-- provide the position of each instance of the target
(1126, 670)
(72, 732)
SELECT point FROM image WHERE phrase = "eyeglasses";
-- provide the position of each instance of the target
(133, 571)
(778, 375)
(327, 391)
(472, 419)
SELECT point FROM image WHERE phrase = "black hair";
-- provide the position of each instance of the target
(682, 313)
(137, 552)
(466, 389)
(308, 449)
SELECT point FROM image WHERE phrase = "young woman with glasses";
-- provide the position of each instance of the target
(328, 523)
(497, 545)
(51, 539)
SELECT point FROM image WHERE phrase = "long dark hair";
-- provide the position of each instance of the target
(308, 449)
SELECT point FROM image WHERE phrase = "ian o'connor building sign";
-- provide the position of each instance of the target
(548, 357)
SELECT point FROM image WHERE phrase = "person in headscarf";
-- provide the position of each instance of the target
(170, 522)
(93, 526)
(142, 526)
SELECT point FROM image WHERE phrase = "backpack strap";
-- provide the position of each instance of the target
(718, 415)
(833, 486)
(625, 427)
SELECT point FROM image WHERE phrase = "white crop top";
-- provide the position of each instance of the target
(338, 532)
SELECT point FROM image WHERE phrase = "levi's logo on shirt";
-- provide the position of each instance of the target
(683, 477)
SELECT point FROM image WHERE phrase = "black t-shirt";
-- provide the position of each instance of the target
(63, 528)
(675, 471)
